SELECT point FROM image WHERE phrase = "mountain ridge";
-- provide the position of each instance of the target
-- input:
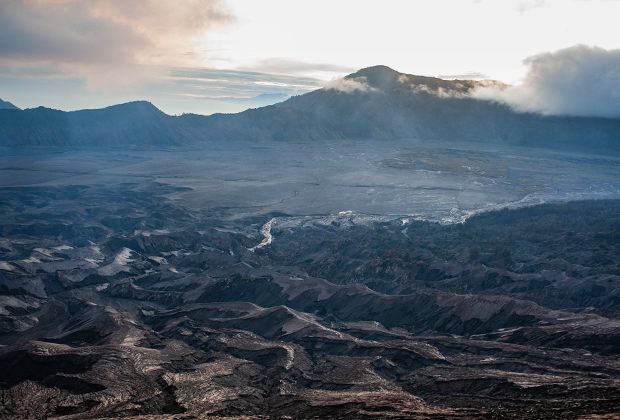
(140, 122)
(382, 77)
(7, 105)
(372, 103)
(378, 102)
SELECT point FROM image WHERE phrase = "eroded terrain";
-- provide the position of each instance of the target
(148, 299)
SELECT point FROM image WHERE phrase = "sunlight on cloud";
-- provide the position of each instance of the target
(350, 85)
(105, 41)
(271, 84)
(288, 66)
(580, 81)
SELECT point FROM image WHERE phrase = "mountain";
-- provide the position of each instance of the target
(7, 105)
(138, 122)
(373, 103)
(378, 102)
(141, 123)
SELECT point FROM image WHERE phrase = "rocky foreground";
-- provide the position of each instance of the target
(116, 303)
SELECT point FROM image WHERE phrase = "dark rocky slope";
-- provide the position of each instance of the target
(115, 302)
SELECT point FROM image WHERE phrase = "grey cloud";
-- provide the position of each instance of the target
(237, 77)
(263, 99)
(36, 70)
(233, 86)
(578, 81)
(293, 67)
(101, 33)
(465, 76)
(62, 34)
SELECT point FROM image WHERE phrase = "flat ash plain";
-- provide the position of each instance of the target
(309, 281)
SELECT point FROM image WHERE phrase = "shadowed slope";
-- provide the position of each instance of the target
(378, 102)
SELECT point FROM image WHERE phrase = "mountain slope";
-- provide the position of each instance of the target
(373, 103)
(141, 123)
(378, 102)
(131, 123)
(7, 105)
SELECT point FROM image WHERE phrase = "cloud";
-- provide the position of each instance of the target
(473, 75)
(245, 80)
(98, 36)
(578, 81)
(347, 85)
(297, 68)
(526, 6)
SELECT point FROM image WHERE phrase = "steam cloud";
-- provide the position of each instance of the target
(577, 81)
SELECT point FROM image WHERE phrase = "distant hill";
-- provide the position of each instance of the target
(132, 123)
(373, 103)
(141, 123)
(7, 105)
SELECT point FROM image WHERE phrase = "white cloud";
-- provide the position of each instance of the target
(472, 75)
(350, 85)
(578, 81)
(287, 66)
(526, 6)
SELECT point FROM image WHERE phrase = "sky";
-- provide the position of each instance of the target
(206, 56)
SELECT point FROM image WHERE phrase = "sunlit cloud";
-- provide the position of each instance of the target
(579, 81)
(104, 41)
(245, 78)
(279, 84)
(293, 67)
(351, 85)
(464, 76)
(88, 53)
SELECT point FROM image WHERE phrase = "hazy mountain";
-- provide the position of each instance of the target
(378, 102)
(131, 123)
(374, 103)
(7, 105)
(140, 123)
